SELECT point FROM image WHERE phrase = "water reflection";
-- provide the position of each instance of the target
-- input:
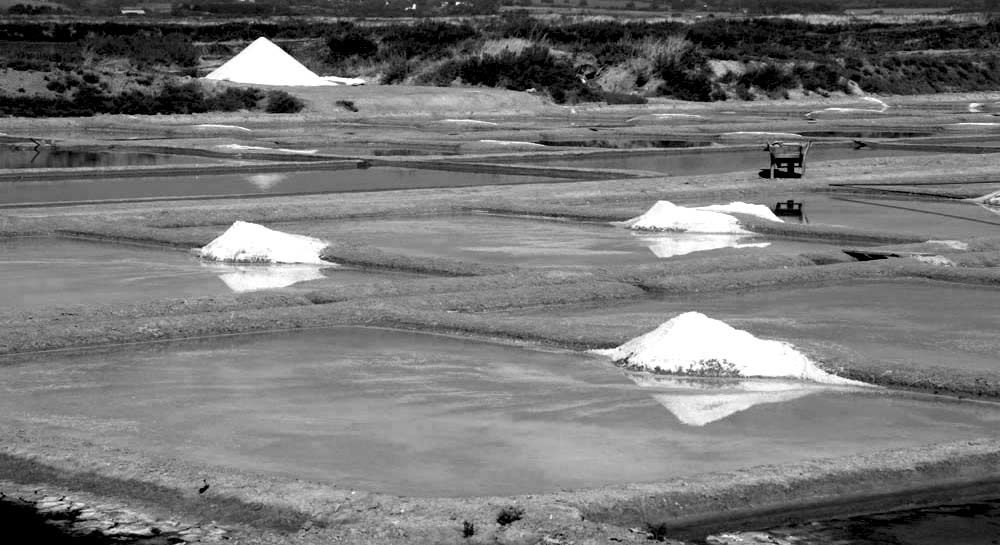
(266, 181)
(701, 401)
(672, 245)
(245, 278)
(16, 157)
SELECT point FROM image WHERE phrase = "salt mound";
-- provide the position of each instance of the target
(694, 344)
(739, 207)
(712, 219)
(952, 244)
(264, 63)
(247, 242)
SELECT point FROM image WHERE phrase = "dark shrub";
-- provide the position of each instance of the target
(280, 102)
(426, 39)
(769, 78)
(397, 70)
(347, 105)
(468, 529)
(347, 40)
(91, 78)
(235, 98)
(509, 515)
(56, 86)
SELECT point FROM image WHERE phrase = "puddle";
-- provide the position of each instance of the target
(865, 134)
(714, 162)
(417, 414)
(535, 243)
(966, 524)
(627, 144)
(911, 323)
(57, 158)
(51, 271)
(934, 218)
(215, 185)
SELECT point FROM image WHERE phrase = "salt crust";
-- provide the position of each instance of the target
(953, 244)
(264, 63)
(712, 219)
(246, 242)
(694, 344)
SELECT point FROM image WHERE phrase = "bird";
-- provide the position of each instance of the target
(203, 488)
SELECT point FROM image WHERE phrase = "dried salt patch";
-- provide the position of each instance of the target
(246, 278)
(350, 82)
(246, 242)
(217, 126)
(666, 246)
(759, 134)
(739, 207)
(694, 344)
(264, 63)
(656, 117)
(953, 244)
(513, 143)
(935, 260)
(262, 148)
(975, 107)
(469, 122)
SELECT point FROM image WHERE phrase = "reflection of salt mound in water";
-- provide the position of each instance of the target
(247, 242)
(265, 181)
(664, 246)
(244, 278)
(712, 219)
(698, 410)
(694, 344)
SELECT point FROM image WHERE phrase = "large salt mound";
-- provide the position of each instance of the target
(264, 63)
(713, 219)
(694, 344)
(247, 242)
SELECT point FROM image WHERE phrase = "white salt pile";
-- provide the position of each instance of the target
(242, 147)
(513, 143)
(247, 242)
(246, 278)
(935, 260)
(952, 244)
(712, 219)
(756, 135)
(264, 63)
(694, 344)
(350, 82)
(222, 127)
(665, 246)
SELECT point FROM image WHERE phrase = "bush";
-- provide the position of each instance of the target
(532, 68)
(468, 529)
(235, 98)
(769, 78)
(280, 102)
(348, 41)
(510, 515)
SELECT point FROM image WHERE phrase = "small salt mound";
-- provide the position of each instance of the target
(935, 260)
(739, 207)
(247, 242)
(712, 219)
(758, 135)
(694, 344)
(512, 143)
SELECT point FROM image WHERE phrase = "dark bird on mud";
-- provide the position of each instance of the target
(203, 488)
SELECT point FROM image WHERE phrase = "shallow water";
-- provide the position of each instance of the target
(626, 144)
(965, 524)
(52, 271)
(417, 414)
(273, 183)
(911, 323)
(539, 243)
(933, 218)
(58, 158)
(715, 162)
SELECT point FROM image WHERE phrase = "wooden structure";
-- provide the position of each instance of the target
(789, 208)
(788, 155)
